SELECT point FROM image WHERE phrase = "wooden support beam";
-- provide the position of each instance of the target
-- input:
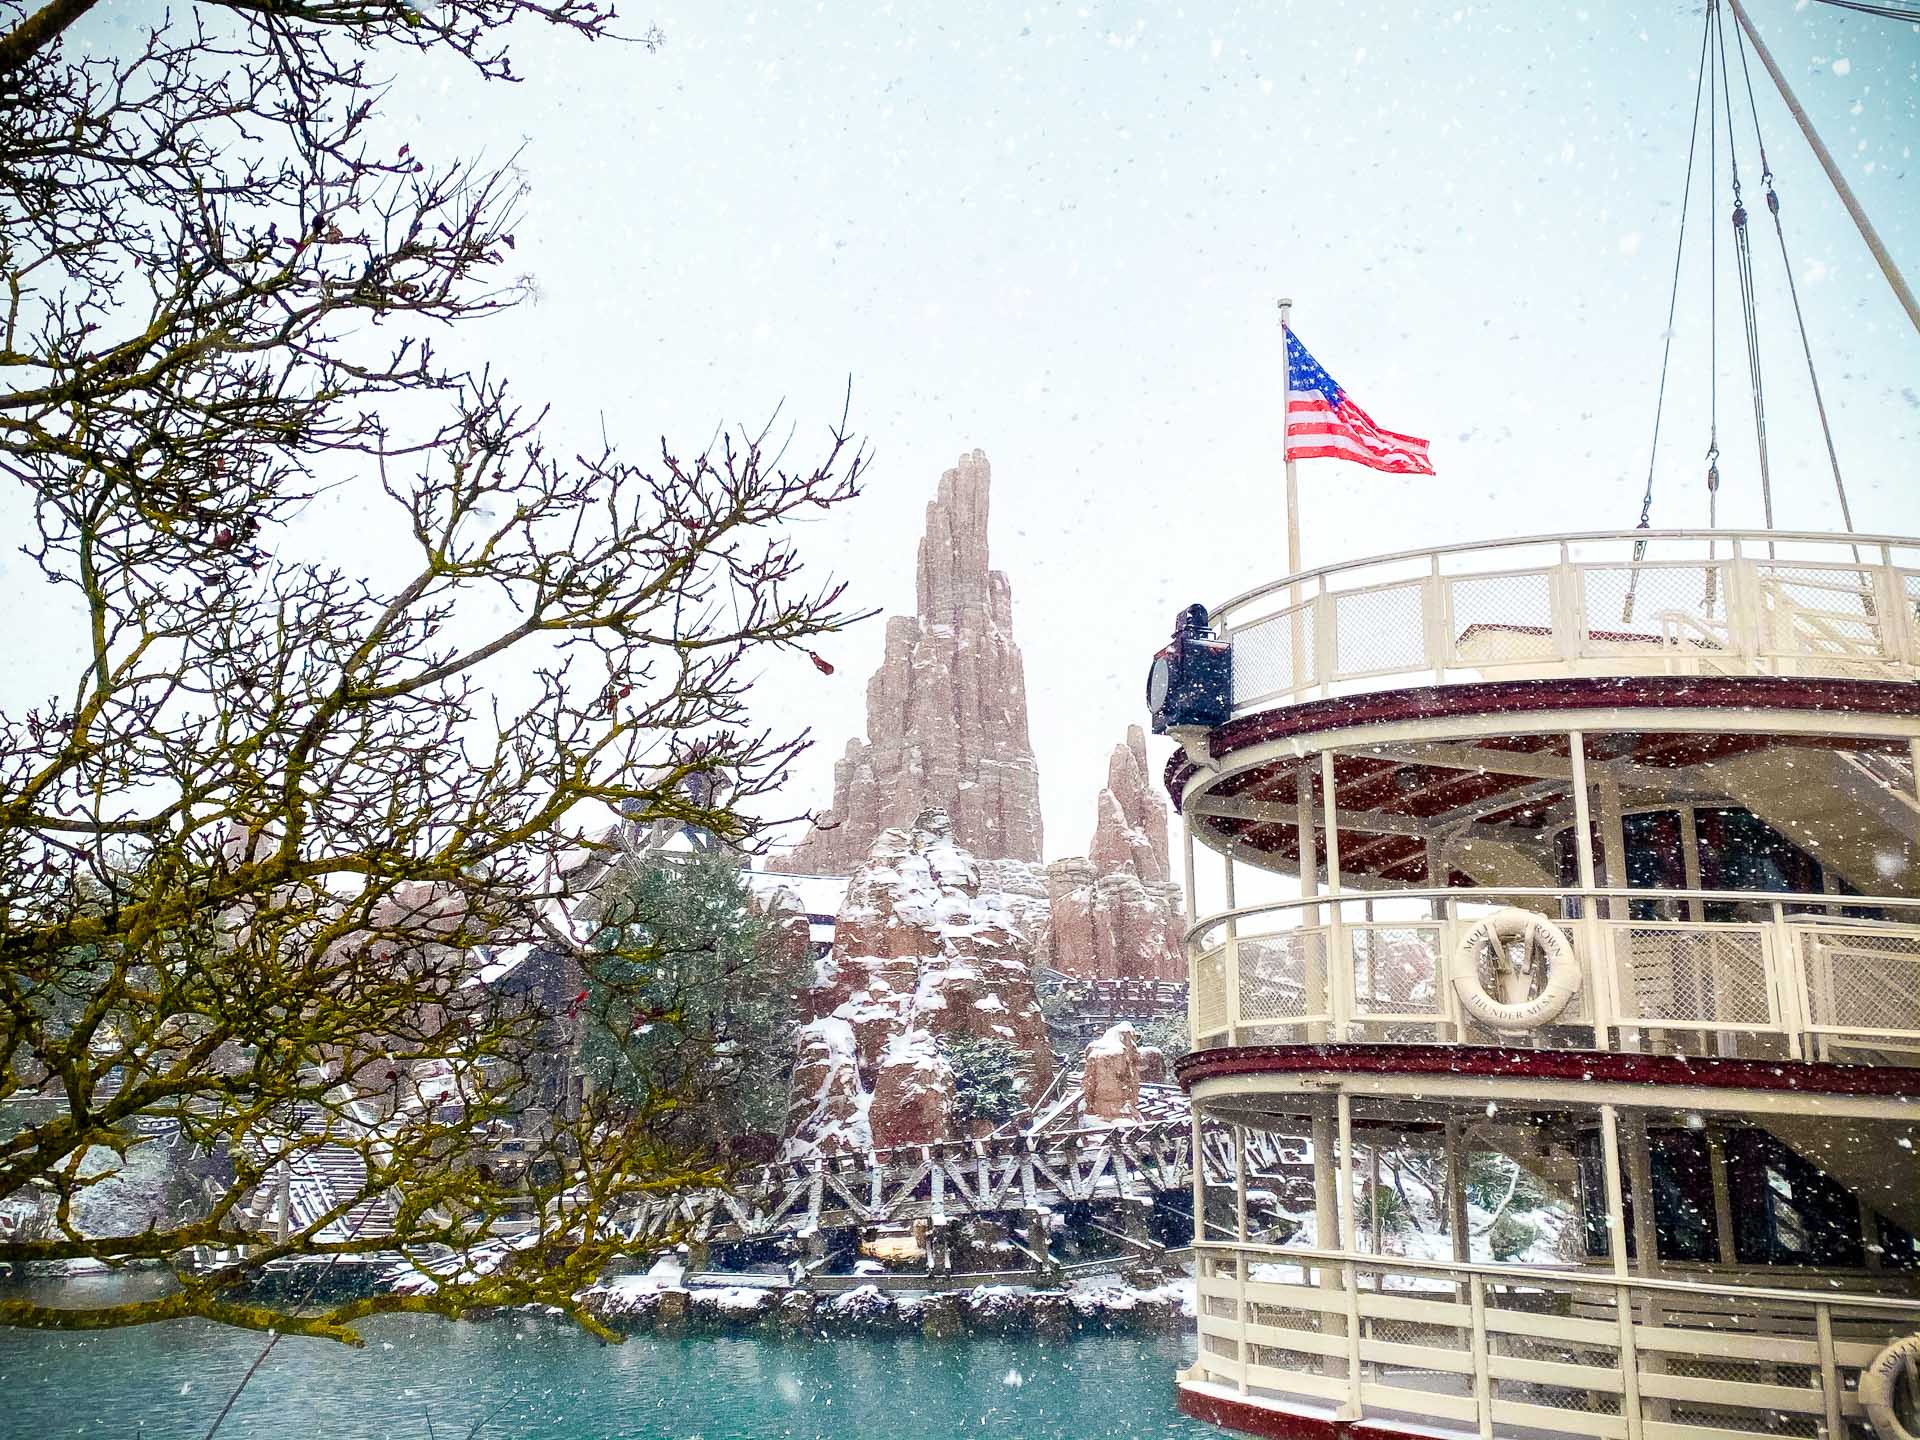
(1533, 764)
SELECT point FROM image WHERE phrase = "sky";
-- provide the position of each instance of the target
(1058, 232)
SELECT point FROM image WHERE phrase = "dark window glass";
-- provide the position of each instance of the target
(1682, 1176)
(1786, 1210)
(1655, 861)
(1740, 851)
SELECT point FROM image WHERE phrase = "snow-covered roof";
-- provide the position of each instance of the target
(819, 895)
(500, 962)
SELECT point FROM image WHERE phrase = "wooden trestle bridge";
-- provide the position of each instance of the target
(1121, 1170)
(1023, 1175)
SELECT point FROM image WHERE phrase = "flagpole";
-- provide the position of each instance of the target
(1293, 507)
(1286, 451)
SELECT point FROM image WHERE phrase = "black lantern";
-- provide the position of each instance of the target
(1191, 681)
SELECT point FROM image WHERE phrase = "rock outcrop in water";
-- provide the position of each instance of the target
(1116, 914)
(923, 953)
(946, 711)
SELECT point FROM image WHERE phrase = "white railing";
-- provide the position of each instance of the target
(1496, 1350)
(1679, 602)
(1784, 977)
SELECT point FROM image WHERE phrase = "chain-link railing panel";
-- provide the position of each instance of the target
(1397, 970)
(1284, 1317)
(1274, 656)
(1223, 1346)
(1602, 1397)
(1209, 992)
(1394, 1371)
(1694, 976)
(1421, 1332)
(1283, 977)
(1379, 630)
(1500, 619)
(1678, 609)
(1864, 980)
(1274, 1357)
(1702, 1407)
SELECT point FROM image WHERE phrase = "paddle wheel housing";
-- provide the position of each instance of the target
(1582, 872)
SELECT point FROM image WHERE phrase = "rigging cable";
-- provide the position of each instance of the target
(1743, 264)
(1713, 290)
(1793, 290)
(1881, 10)
(1666, 347)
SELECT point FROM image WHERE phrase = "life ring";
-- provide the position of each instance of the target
(1535, 934)
(1877, 1383)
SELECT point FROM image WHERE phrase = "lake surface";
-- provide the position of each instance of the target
(534, 1379)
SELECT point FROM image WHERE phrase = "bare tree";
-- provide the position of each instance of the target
(268, 858)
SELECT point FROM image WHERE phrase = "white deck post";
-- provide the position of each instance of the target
(1326, 1208)
(1339, 963)
(1456, 1187)
(1186, 835)
(1193, 974)
(1617, 1243)
(1199, 1196)
(1349, 1240)
(1646, 1243)
(1233, 953)
(1690, 861)
(1830, 1384)
(1349, 1245)
(1326, 1229)
(1314, 983)
(1722, 1195)
(1599, 959)
(1482, 1375)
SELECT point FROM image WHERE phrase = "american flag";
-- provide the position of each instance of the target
(1322, 420)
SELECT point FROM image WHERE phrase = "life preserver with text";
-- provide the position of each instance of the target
(1534, 937)
(1880, 1381)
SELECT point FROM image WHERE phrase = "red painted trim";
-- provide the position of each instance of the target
(1509, 697)
(1255, 1419)
(1497, 1062)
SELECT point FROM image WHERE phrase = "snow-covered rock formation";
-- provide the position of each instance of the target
(1116, 914)
(947, 709)
(923, 951)
(1110, 1079)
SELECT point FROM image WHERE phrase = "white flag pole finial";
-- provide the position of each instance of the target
(1286, 450)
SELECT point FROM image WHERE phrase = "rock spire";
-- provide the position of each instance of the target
(947, 709)
(1116, 914)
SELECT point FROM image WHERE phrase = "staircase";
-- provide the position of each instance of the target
(319, 1178)
(1853, 812)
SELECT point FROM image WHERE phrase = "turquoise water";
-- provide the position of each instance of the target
(532, 1379)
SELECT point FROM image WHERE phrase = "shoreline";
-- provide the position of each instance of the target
(642, 1305)
(660, 1303)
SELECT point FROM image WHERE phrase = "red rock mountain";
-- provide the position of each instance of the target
(922, 953)
(946, 711)
(1116, 913)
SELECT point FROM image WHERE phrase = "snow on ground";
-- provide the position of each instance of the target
(666, 1274)
(1115, 1296)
